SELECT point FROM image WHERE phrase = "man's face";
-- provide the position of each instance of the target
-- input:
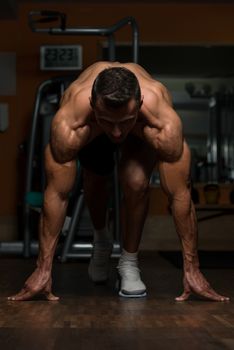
(116, 123)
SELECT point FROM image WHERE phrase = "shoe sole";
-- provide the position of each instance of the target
(141, 295)
(129, 294)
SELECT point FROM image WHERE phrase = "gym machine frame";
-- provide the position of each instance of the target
(27, 247)
(48, 16)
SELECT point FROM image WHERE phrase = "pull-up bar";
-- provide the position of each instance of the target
(37, 17)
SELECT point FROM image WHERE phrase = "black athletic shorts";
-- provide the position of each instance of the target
(98, 155)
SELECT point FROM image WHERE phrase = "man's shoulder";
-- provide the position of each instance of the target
(81, 87)
(156, 92)
(77, 93)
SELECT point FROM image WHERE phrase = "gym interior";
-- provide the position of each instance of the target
(189, 47)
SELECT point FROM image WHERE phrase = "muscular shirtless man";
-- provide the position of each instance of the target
(115, 105)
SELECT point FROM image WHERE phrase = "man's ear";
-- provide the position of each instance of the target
(91, 102)
(142, 98)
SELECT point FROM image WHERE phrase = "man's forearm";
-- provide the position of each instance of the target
(186, 227)
(51, 223)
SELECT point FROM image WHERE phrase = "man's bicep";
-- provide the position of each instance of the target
(171, 135)
(62, 142)
(174, 132)
(174, 124)
(60, 177)
(69, 133)
(59, 136)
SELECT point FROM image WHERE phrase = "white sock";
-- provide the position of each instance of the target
(128, 257)
(102, 236)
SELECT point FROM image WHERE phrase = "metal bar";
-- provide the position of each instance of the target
(78, 250)
(68, 32)
(135, 40)
(84, 250)
(212, 139)
(92, 31)
(218, 137)
(83, 30)
(111, 48)
(116, 227)
(74, 222)
(29, 169)
(31, 146)
(212, 216)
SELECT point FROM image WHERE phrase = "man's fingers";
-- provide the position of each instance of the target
(50, 296)
(203, 290)
(22, 295)
(208, 294)
(212, 295)
(26, 295)
(183, 297)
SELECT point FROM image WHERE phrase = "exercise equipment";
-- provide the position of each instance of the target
(47, 102)
(51, 91)
(219, 163)
(36, 18)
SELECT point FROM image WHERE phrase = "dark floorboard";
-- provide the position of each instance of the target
(94, 317)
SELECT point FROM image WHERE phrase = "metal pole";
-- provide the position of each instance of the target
(111, 48)
(90, 31)
(29, 170)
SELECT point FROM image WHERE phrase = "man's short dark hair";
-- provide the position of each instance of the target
(115, 87)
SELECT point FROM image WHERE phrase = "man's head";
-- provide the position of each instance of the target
(116, 100)
(114, 87)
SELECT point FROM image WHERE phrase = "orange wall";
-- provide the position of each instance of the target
(157, 23)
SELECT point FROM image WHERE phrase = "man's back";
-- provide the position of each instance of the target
(76, 99)
(86, 78)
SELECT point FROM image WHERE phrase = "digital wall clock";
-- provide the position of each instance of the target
(61, 57)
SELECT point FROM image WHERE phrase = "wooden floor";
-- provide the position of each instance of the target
(94, 317)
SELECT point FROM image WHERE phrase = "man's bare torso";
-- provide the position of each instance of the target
(76, 115)
(80, 90)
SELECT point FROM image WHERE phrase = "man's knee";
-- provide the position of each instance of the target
(136, 183)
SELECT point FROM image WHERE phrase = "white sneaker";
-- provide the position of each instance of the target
(130, 283)
(99, 265)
